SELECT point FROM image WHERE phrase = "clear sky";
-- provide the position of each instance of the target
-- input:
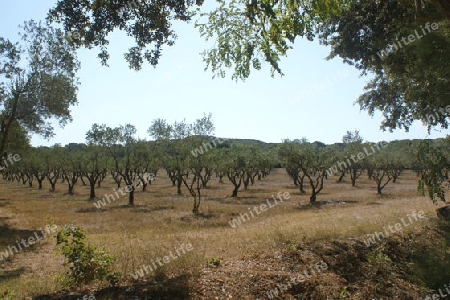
(315, 99)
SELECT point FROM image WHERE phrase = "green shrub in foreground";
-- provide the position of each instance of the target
(86, 262)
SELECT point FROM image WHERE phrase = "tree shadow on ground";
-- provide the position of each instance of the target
(9, 236)
(8, 275)
(322, 203)
(374, 203)
(199, 216)
(159, 289)
(8, 240)
(134, 209)
(4, 202)
(248, 200)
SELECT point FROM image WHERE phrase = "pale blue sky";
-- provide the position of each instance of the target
(315, 99)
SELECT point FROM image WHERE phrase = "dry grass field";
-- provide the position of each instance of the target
(251, 259)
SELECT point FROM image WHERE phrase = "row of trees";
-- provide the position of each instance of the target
(135, 163)
(381, 162)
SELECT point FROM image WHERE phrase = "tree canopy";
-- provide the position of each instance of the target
(90, 22)
(405, 47)
(402, 44)
(38, 82)
(406, 51)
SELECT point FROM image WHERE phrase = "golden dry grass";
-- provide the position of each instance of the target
(161, 221)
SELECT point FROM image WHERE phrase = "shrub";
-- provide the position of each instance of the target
(214, 261)
(86, 262)
(6, 294)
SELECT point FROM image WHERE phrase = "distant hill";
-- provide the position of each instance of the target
(263, 145)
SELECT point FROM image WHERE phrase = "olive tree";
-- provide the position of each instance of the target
(235, 165)
(177, 143)
(93, 163)
(382, 166)
(71, 171)
(310, 161)
(120, 144)
(38, 82)
(436, 158)
(356, 166)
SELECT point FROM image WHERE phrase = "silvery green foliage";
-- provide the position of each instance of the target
(148, 22)
(38, 81)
